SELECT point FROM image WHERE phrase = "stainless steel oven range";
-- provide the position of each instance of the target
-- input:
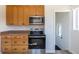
(36, 40)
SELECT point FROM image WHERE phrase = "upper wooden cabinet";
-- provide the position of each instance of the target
(19, 14)
(9, 15)
(15, 15)
(26, 14)
(39, 10)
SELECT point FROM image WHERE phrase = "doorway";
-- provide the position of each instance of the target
(62, 22)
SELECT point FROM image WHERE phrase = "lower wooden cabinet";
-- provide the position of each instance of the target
(19, 42)
(6, 42)
(6, 49)
(14, 43)
(19, 49)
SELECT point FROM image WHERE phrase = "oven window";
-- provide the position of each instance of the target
(35, 43)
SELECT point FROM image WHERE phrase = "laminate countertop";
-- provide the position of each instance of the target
(15, 32)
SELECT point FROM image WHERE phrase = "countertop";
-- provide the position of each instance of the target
(15, 31)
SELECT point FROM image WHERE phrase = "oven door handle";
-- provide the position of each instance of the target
(37, 36)
(33, 44)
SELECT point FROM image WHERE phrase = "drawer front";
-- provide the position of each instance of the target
(19, 42)
(19, 49)
(6, 49)
(6, 36)
(6, 42)
(24, 36)
(20, 36)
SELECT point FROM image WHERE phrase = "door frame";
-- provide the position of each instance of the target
(70, 11)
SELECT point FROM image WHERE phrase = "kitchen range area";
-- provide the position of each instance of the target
(24, 41)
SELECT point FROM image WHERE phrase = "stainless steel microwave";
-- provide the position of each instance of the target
(36, 20)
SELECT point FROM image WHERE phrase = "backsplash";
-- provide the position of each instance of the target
(30, 27)
(36, 27)
(18, 27)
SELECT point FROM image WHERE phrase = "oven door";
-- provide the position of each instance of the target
(36, 43)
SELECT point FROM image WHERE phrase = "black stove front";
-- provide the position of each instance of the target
(36, 41)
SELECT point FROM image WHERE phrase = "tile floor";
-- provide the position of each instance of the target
(42, 51)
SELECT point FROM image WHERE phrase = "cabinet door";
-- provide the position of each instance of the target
(9, 15)
(26, 15)
(19, 42)
(19, 49)
(20, 15)
(15, 15)
(39, 10)
(6, 49)
(32, 10)
(6, 42)
(20, 39)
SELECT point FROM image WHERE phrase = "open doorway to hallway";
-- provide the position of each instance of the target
(62, 32)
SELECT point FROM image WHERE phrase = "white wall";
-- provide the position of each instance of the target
(63, 18)
(75, 42)
(49, 29)
(74, 48)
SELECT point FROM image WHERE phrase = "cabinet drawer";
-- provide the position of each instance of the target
(6, 36)
(24, 36)
(6, 42)
(19, 42)
(6, 49)
(20, 36)
(19, 49)
(16, 36)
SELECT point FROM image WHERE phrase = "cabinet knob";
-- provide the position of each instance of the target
(6, 49)
(24, 48)
(15, 49)
(24, 42)
(6, 42)
(15, 41)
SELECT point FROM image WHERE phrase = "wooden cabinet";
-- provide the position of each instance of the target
(36, 10)
(19, 49)
(14, 43)
(15, 15)
(39, 10)
(9, 15)
(6, 49)
(6, 43)
(19, 14)
(26, 15)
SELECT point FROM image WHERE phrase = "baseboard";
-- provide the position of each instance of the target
(72, 52)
